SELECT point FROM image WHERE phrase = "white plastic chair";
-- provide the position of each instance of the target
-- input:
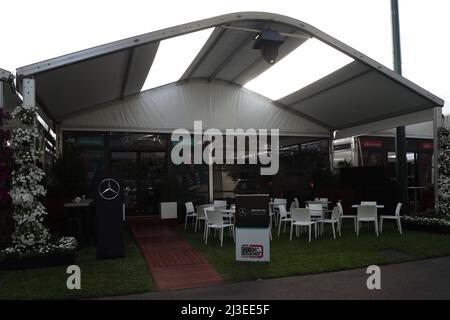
(342, 216)
(190, 213)
(324, 202)
(333, 220)
(277, 202)
(301, 217)
(284, 218)
(316, 210)
(367, 214)
(395, 217)
(294, 204)
(215, 221)
(200, 216)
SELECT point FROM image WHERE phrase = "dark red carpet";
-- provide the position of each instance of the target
(173, 263)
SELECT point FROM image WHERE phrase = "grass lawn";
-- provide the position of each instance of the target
(324, 254)
(98, 277)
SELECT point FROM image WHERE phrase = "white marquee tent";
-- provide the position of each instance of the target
(100, 88)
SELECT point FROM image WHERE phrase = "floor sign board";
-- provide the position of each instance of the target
(252, 228)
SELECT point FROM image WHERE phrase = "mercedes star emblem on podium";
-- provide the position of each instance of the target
(109, 189)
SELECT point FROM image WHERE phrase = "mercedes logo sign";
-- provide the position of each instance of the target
(242, 212)
(109, 189)
(126, 141)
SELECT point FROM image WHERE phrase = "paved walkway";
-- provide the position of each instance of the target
(173, 263)
(427, 279)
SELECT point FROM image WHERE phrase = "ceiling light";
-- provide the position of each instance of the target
(269, 42)
(310, 62)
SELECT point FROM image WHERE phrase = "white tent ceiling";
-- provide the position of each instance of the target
(361, 97)
(217, 104)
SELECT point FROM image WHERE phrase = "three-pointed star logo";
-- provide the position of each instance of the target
(109, 189)
(126, 141)
(242, 212)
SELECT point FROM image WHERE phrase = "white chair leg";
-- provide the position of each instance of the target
(355, 223)
(334, 232)
(292, 228)
(381, 225)
(357, 227)
(221, 237)
(399, 226)
(309, 231)
(376, 227)
(206, 234)
(279, 228)
(185, 222)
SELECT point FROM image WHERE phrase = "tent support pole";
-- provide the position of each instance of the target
(29, 95)
(437, 113)
(211, 182)
(331, 152)
(400, 140)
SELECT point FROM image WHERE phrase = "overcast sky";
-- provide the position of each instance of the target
(37, 30)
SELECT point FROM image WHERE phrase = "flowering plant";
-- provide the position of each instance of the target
(429, 222)
(31, 237)
(444, 171)
(5, 165)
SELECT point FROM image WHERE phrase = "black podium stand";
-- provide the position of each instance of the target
(109, 219)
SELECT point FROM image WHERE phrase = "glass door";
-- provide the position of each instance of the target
(124, 164)
(153, 181)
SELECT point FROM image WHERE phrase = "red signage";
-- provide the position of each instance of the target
(426, 146)
(254, 251)
(372, 144)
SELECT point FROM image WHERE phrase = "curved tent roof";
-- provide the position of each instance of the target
(361, 94)
(217, 104)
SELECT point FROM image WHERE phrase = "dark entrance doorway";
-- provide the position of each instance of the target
(145, 180)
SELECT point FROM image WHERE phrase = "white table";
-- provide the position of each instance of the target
(379, 206)
(229, 211)
(82, 203)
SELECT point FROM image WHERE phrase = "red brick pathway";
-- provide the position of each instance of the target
(173, 263)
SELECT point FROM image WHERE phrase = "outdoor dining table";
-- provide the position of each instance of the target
(228, 211)
(379, 206)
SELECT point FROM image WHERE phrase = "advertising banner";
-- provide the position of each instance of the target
(252, 228)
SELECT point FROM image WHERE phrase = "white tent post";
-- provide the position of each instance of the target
(331, 151)
(29, 96)
(437, 114)
(211, 179)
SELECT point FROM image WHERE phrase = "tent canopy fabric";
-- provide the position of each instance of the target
(217, 104)
(348, 101)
